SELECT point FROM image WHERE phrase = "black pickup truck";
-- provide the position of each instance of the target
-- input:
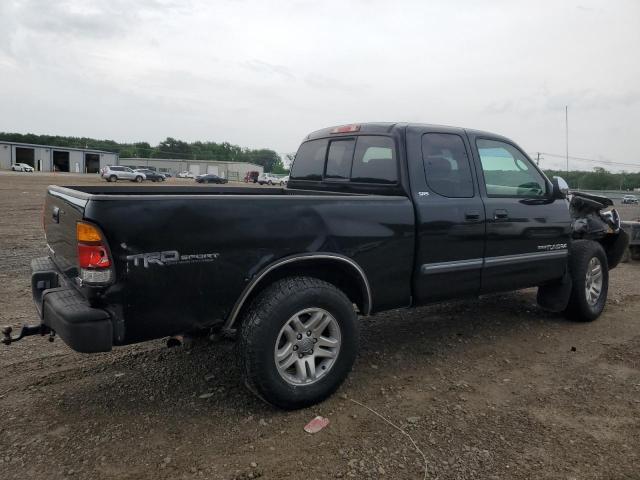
(375, 217)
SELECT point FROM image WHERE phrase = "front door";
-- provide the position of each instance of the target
(527, 230)
(449, 214)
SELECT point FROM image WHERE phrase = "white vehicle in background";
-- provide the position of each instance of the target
(113, 173)
(284, 180)
(185, 174)
(268, 178)
(22, 167)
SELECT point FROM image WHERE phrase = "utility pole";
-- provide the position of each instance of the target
(566, 122)
(538, 159)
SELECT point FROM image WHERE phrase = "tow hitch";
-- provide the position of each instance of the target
(26, 331)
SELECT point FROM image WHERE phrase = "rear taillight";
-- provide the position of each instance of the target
(93, 255)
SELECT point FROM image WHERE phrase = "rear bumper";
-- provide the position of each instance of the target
(63, 309)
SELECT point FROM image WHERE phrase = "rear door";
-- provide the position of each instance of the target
(527, 230)
(128, 173)
(449, 214)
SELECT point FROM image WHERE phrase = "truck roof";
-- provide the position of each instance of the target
(385, 128)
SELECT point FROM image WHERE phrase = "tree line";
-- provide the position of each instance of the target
(598, 179)
(168, 148)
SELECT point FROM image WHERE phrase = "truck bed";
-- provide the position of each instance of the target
(229, 236)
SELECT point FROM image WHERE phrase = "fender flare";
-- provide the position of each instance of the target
(255, 281)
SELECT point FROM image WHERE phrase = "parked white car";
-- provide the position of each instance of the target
(113, 173)
(185, 174)
(22, 167)
(268, 178)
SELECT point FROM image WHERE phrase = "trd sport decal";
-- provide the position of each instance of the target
(169, 257)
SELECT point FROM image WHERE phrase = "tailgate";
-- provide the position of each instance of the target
(63, 207)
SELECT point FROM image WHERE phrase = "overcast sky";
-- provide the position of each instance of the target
(264, 74)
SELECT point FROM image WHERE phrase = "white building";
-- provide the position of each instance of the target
(47, 158)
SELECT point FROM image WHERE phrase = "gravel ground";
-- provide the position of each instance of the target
(488, 388)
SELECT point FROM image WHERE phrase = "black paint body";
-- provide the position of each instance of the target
(414, 245)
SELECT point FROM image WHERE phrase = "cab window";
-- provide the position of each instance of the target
(508, 172)
(339, 159)
(309, 160)
(446, 165)
(374, 160)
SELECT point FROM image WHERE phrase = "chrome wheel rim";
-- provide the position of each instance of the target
(307, 346)
(593, 283)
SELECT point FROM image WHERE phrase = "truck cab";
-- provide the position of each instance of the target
(486, 218)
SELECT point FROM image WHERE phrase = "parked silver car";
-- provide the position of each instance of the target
(22, 167)
(113, 173)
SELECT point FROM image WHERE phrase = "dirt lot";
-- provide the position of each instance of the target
(489, 388)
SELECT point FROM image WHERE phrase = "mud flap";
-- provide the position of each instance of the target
(615, 247)
(555, 296)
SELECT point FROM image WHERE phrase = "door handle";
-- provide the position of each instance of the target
(500, 214)
(473, 215)
(55, 214)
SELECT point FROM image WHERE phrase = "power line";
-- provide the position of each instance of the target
(592, 160)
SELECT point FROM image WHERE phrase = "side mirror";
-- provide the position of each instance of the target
(560, 188)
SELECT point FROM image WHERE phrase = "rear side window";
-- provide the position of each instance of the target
(374, 160)
(339, 159)
(446, 165)
(117, 169)
(309, 161)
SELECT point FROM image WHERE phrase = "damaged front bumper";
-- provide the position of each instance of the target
(65, 311)
(592, 221)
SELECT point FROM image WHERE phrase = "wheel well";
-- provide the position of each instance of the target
(345, 276)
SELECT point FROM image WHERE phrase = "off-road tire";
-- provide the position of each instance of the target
(578, 308)
(258, 333)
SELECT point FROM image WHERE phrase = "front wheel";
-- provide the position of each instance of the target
(138, 179)
(590, 281)
(297, 342)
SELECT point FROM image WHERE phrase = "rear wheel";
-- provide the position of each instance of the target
(297, 342)
(590, 281)
(113, 178)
